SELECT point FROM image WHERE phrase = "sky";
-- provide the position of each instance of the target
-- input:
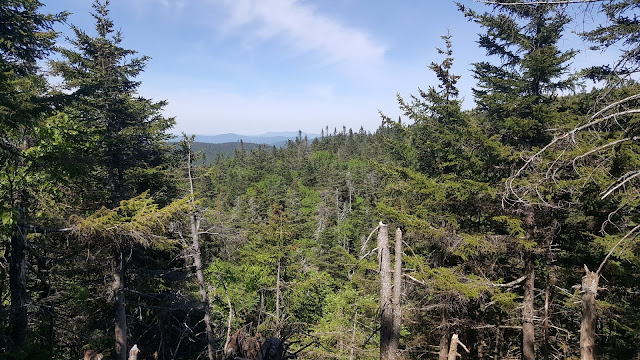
(257, 66)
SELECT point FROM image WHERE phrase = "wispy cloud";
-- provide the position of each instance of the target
(304, 28)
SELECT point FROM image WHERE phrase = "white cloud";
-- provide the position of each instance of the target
(304, 28)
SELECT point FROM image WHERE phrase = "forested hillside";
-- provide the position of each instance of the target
(507, 231)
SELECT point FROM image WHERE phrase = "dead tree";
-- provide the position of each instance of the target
(453, 348)
(386, 311)
(528, 311)
(194, 220)
(397, 291)
(133, 353)
(444, 337)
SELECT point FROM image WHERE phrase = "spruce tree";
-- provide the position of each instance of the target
(517, 97)
(125, 134)
(517, 93)
(26, 36)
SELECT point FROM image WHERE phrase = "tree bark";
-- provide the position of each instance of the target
(278, 325)
(444, 337)
(133, 353)
(204, 298)
(353, 336)
(229, 318)
(588, 326)
(197, 262)
(18, 318)
(453, 348)
(397, 292)
(117, 288)
(386, 310)
(528, 334)
(547, 301)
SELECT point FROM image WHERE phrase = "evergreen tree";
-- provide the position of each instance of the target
(517, 97)
(26, 36)
(517, 93)
(124, 131)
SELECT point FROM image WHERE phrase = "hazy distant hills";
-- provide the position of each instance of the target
(270, 138)
(225, 144)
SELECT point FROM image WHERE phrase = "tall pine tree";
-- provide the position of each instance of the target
(125, 132)
(26, 36)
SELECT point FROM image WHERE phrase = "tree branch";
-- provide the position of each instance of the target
(626, 178)
(510, 284)
(614, 248)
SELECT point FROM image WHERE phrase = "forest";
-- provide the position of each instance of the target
(505, 231)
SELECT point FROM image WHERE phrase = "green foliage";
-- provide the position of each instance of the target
(94, 158)
(124, 133)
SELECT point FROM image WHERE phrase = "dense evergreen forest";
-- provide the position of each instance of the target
(508, 231)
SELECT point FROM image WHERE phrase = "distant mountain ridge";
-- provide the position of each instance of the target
(270, 138)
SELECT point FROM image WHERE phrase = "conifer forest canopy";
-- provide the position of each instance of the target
(505, 231)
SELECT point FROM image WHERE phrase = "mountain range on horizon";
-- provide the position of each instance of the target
(269, 138)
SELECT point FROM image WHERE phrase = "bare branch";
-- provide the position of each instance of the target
(43, 230)
(614, 248)
(510, 284)
(600, 148)
(414, 279)
(625, 179)
(364, 245)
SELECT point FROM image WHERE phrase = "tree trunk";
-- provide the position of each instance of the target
(588, 326)
(397, 291)
(204, 298)
(133, 353)
(481, 346)
(197, 262)
(18, 285)
(117, 288)
(386, 310)
(444, 337)
(353, 336)
(229, 318)
(453, 348)
(528, 335)
(278, 325)
(547, 301)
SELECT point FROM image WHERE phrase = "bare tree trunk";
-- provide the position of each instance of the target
(397, 291)
(133, 353)
(386, 311)
(444, 337)
(197, 261)
(453, 348)
(528, 334)
(588, 326)
(117, 288)
(230, 317)
(498, 350)
(481, 346)
(278, 324)
(204, 298)
(547, 300)
(18, 285)
(353, 336)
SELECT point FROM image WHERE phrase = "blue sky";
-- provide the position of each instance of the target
(253, 66)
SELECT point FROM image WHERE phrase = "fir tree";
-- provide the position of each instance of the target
(26, 36)
(125, 134)
(517, 93)
(126, 131)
